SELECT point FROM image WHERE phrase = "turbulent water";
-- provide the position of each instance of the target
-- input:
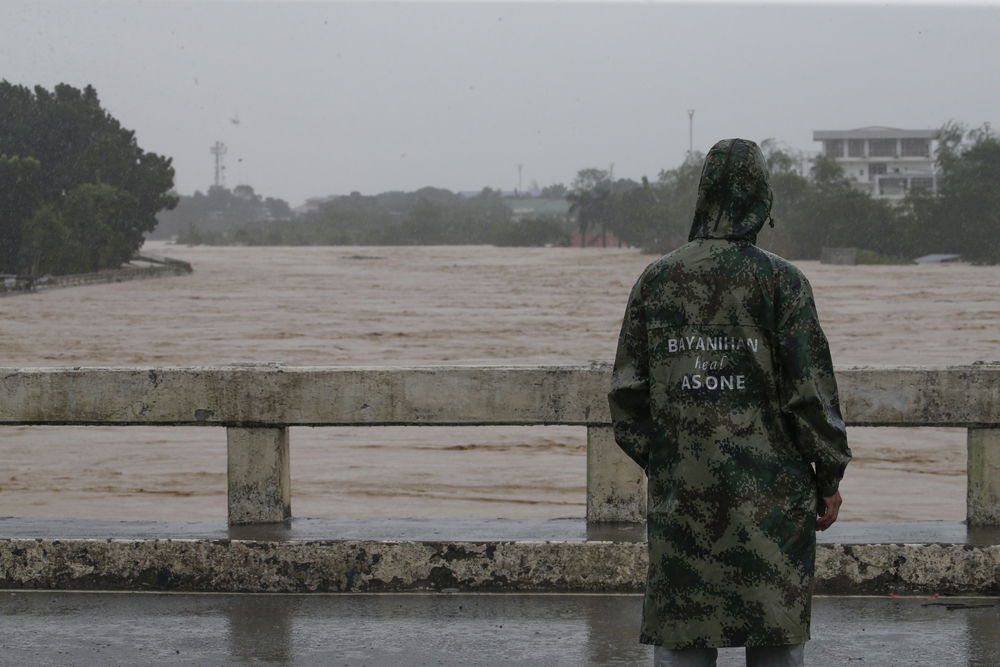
(436, 305)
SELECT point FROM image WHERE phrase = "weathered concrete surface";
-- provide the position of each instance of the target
(907, 569)
(260, 489)
(616, 486)
(382, 566)
(983, 499)
(920, 395)
(320, 567)
(279, 396)
(44, 628)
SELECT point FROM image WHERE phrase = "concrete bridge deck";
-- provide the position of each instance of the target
(44, 628)
(460, 530)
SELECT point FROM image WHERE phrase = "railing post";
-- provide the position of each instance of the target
(616, 486)
(259, 480)
(983, 499)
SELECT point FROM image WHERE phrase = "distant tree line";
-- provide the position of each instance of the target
(429, 216)
(220, 211)
(77, 193)
(812, 209)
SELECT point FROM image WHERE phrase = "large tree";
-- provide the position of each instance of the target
(826, 211)
(593, 203)
(20, 195)
(964, 217)
(75, 143)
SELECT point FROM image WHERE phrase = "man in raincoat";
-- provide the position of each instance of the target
(723, 392)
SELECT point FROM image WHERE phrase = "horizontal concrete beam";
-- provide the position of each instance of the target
(270, 395)
(907, 569)
(320, 567)
(920, 395)
(276, 395)
(378, 566)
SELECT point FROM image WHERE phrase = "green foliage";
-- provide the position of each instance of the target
(429, 216)
(605, 205)
(678, 193)
(828, 211)
(221, 211)
(88, 231)
(75, 143)
(20, 195)
(591, 179)
(554, 191)
(964, 217)
(97, 217)
(45, 242)
(656, 216)
(594, 208)
(450, 220)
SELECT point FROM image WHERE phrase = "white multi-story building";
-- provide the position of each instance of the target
(884, 161)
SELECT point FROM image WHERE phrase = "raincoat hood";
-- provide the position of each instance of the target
(734, 194)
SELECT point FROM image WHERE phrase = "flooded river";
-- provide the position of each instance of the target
(331, 306)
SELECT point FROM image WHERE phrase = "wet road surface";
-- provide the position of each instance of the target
(460, 530)
(42, 628)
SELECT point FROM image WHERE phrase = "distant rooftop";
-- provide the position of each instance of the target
(937, 259)
(874, 132)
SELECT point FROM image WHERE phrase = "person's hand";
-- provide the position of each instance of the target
(828, 510)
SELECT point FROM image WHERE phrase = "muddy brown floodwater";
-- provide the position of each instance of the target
(334, 306)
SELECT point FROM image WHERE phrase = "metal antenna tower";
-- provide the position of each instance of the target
(519, 189)
(218, 150)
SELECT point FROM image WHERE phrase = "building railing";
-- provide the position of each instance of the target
(258, 403)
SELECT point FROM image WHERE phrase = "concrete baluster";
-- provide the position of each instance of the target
(616, 486)
(259, 480)
(983, 499)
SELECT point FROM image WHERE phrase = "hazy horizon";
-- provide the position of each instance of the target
(337, 97)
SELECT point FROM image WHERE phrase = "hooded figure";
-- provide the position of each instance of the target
(723, 392)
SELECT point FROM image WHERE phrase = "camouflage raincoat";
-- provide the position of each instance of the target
(723, 391)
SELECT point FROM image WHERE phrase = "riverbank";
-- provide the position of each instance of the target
(140, 268)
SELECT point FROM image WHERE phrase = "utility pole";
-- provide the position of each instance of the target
(218, 150)
(604, 220)
(690, 133)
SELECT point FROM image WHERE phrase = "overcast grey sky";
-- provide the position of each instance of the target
(336, 97)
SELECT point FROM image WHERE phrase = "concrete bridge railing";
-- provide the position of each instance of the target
(258, 403)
